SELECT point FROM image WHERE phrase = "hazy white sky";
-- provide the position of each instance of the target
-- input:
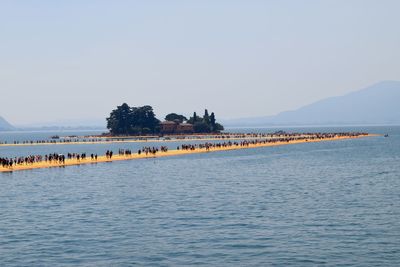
(79, 59)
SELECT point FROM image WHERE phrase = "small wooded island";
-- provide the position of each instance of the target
(126, 120)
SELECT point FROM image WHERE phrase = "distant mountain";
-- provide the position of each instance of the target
(5, 125)
(377, 104)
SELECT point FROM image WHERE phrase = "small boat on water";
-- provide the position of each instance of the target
(386, 135)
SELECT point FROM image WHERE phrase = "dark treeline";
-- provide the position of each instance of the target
(205, 124)
(126, 120)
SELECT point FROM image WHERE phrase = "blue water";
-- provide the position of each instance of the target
(329, 203)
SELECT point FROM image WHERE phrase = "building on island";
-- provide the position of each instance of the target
(184, 128)
(168, 127)
(174, 127)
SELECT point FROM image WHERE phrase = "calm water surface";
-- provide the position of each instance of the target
(330, 203)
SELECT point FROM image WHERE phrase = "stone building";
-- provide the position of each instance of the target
(171, 127)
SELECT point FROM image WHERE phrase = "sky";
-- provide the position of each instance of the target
(78, 60)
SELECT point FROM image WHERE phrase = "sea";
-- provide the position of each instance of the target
(333, 203)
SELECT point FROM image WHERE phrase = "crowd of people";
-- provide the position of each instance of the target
(60, 159)
(29, 160)
(50, 141)
(94, 139)
(152, 150)
(54, 158)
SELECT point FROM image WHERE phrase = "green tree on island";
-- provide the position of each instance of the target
(207, 124)
(194, 118)
(132, 120)
(212, 122)
(144, 119)
(215, 127)
(206, 117)
(201, 127)
(175, 117)
(119, 121)
(218, 128)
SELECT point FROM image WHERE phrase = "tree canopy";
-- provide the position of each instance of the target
(175, 117)
(126, 120)
(205, 124)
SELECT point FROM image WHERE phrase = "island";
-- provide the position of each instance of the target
(126, 120)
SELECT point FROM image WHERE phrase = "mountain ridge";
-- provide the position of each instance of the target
(5, 125)
(376, 104)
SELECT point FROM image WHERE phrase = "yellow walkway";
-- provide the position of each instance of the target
(70, 162)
